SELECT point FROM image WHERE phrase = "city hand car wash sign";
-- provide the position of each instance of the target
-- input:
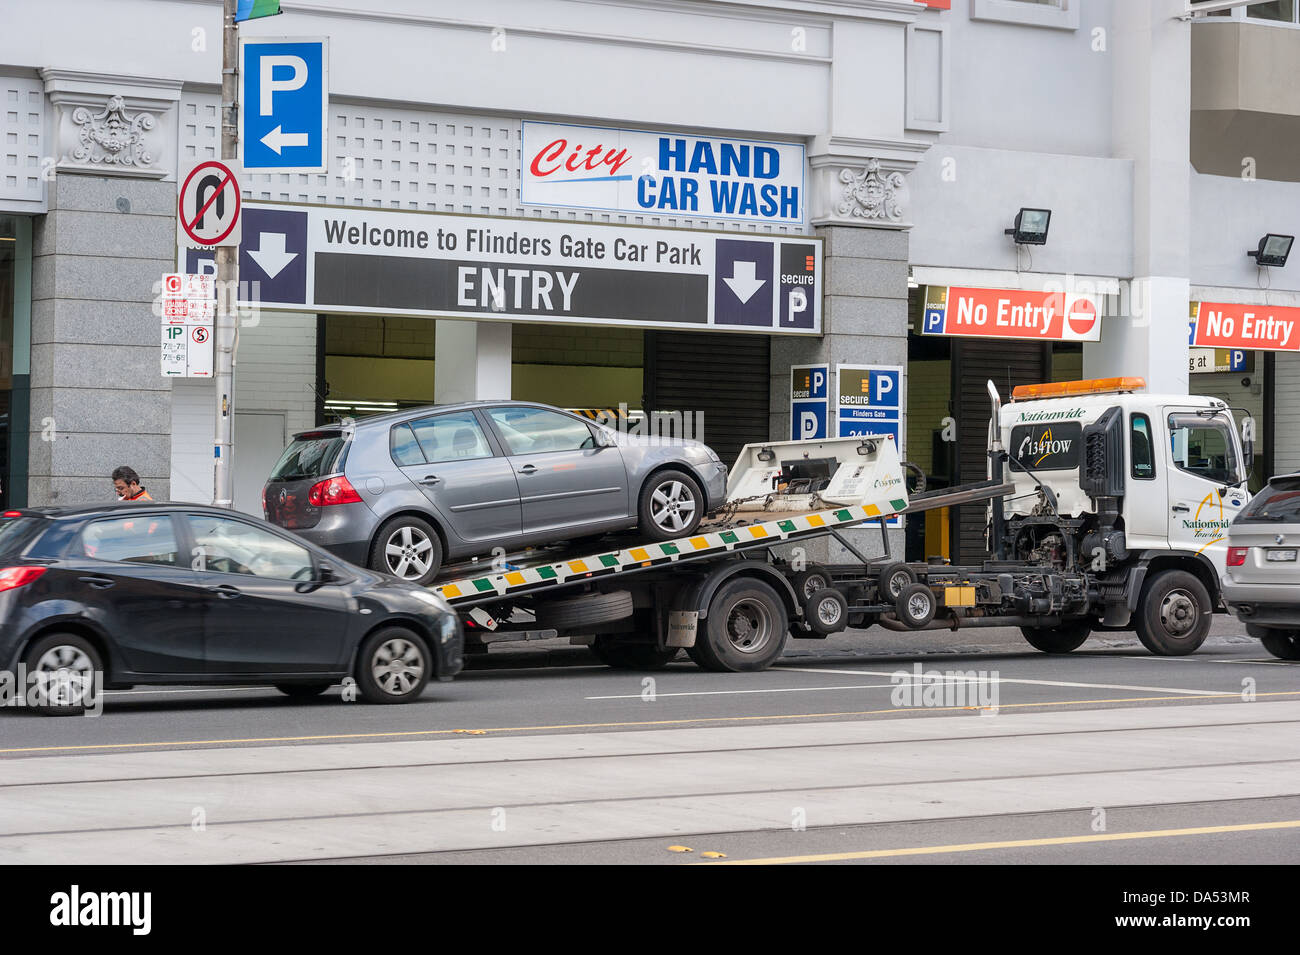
(1011, 313)
(1226, 325)
(621, 170)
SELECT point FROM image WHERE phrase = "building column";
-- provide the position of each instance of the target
(471, 361)
(860, 208)
(1151, 125)
(98, 397)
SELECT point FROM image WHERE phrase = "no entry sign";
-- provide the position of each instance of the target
(209, 206)
(1011, 313)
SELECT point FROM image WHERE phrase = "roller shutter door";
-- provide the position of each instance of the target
(975, 362)
(724, 377)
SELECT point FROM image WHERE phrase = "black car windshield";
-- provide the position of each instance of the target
(309, 456)
(17, 532)
(1279, 503)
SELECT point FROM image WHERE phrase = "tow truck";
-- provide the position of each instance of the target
(1107, 507)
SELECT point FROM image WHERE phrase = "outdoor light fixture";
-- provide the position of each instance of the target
(1031, 226)
(1273, 250)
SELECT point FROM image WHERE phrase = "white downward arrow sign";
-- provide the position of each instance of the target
(277, 139)
(743, 281)
(271, 258)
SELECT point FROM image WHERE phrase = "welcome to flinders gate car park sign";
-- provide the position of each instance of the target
(391, 262)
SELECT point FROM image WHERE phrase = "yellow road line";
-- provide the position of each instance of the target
(1013, 844)
(650, 723)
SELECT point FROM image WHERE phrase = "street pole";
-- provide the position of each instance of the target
(227, 275)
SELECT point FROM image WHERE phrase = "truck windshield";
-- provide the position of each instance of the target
(1279, 503)
(1204, 446)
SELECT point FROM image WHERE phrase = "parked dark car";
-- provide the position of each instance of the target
(402, 492)
(171, 593)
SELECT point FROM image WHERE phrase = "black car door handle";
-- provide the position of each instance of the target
(225, 591)
(431, 479)
(528, 469)
(102, 583)
(1181, 508)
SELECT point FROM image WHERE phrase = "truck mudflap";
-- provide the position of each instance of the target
(867, 487)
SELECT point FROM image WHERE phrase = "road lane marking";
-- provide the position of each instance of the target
(692, 721)
(1015, 844)
(783, 689)
(1061, 683)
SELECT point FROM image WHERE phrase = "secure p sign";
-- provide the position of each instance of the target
(808, 401)
(284, 95)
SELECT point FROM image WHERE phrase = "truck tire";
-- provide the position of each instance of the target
(671, 505)
(893, 579)
(826, 611)
(745, 630)
(407, 547)
(916, 606)
(1283, 644)
(625, 655)
(1062, 639)
(585, 610)
(808, 582)
(1173, 613)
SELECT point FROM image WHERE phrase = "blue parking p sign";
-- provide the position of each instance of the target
(284, 95)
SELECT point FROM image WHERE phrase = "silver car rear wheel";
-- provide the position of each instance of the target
(408, 548)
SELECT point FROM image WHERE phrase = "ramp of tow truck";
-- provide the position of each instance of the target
(867, 487)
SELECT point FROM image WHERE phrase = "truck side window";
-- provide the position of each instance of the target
(1204, 447)
(1143, 462)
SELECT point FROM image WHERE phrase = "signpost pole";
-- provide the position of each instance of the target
(223, 369)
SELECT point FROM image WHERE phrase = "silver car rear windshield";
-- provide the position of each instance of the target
(310, 455)
(1279, 503)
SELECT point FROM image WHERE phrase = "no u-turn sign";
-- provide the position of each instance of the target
(208, 211)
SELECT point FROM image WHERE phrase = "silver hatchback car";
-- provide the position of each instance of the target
(1262, 582)
(404, 492)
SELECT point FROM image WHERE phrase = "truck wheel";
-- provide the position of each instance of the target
(916, 606)
(893, 579)
(585, 610)
(808, 582)
(1062, 639)
(671, 506)
(623, 655)
(407, 547)
(826, 611)
(1283, 644)
(745, 630)
(1173, 616)
(393, 666)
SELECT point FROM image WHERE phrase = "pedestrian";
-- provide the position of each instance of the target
(127, 484)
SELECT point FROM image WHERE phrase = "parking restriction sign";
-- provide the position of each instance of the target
(209, 206)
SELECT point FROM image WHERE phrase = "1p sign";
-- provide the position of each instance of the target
(208, 211)
(283, 98)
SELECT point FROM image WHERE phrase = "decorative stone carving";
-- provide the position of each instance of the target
(112, 136)
(113, 125)
(871, 193)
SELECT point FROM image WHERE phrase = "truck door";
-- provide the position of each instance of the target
(1203, 473)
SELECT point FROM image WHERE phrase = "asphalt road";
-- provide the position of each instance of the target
(869, 747)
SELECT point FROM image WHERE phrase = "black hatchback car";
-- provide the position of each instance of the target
(169, 593)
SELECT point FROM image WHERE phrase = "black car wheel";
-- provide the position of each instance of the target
(1283, 644)
(62, 668)
(393, 666)
(671, 505)
(1062, 639)
(408, 548)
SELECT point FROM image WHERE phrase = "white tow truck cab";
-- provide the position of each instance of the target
(1134, 489)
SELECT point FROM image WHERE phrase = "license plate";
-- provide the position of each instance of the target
(1281, 555)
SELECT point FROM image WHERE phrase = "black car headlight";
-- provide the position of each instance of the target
(448, 628)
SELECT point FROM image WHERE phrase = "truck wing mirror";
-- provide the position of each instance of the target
(1101, 472)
